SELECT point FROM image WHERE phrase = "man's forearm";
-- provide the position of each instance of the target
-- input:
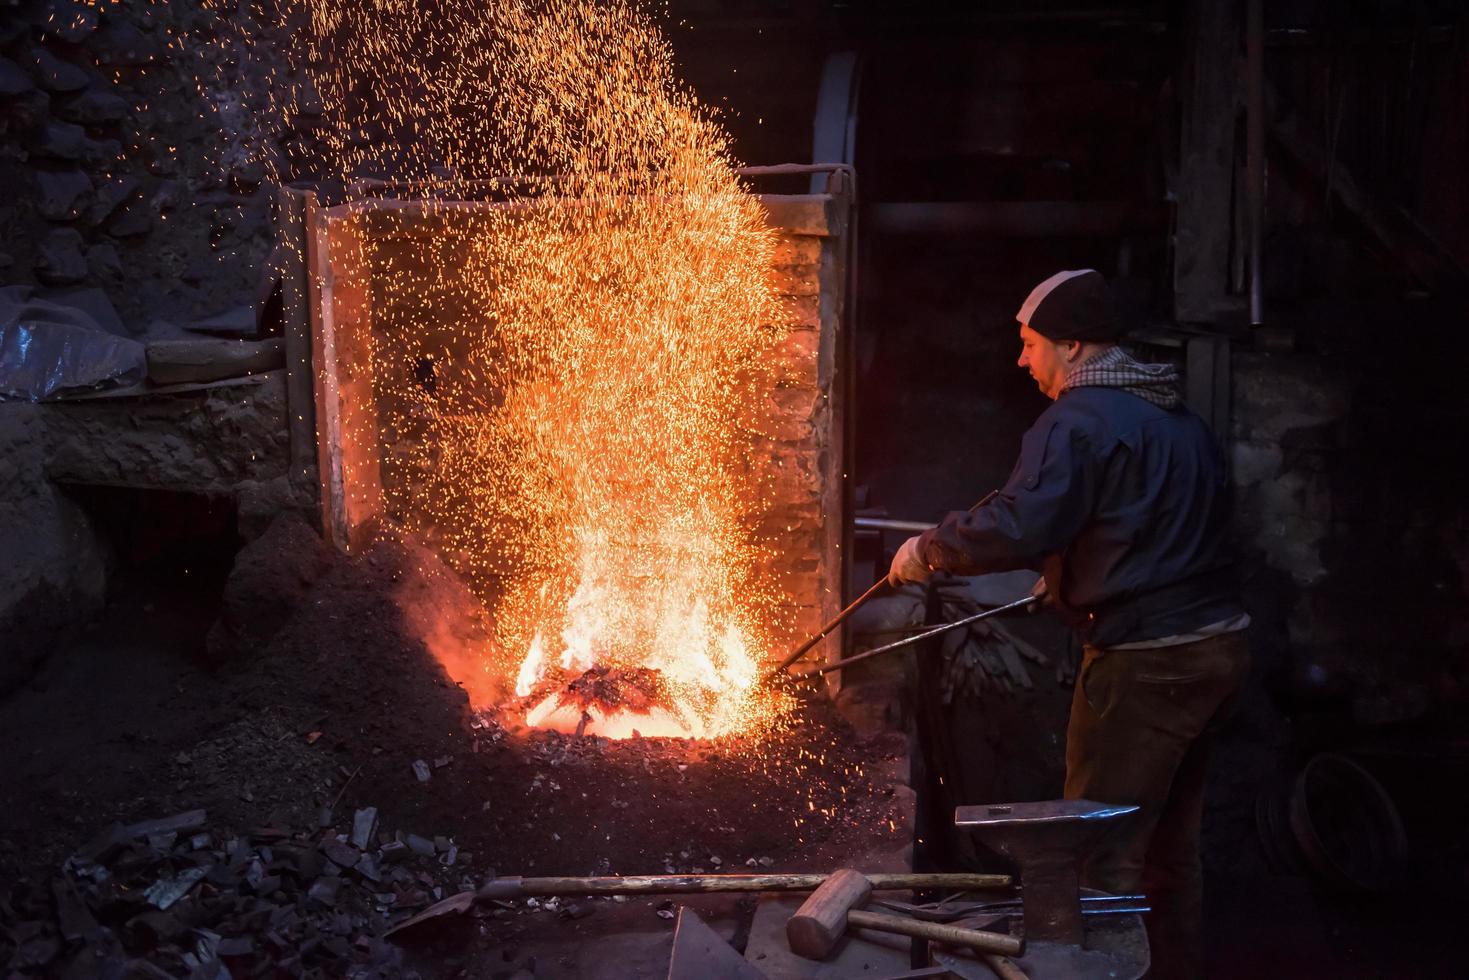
(990, 538)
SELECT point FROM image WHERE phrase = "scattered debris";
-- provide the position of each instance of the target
(364, 827)
(164, 892)
(341, 657)
(166, 897)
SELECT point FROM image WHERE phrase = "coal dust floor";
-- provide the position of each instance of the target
(279, 813)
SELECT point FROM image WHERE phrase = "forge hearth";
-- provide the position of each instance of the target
(612, 701)
(615, 688)
(371, 451)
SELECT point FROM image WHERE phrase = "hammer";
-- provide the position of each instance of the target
(831, 909)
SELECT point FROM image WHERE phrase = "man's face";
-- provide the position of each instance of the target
(1045, 359)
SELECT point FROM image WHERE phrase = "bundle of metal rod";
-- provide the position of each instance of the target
(950, 910)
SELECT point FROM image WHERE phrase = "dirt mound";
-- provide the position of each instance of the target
(356, 661)
(271, 578)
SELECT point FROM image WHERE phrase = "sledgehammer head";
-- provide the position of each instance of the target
(820, 922)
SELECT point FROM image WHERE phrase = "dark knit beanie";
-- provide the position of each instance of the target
(1071, 305)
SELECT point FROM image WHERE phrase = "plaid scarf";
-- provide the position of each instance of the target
(1115, 368)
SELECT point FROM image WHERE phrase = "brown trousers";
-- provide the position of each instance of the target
(1141, 724)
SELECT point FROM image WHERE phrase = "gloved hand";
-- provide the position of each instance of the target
(908, 565)
(1042, 592)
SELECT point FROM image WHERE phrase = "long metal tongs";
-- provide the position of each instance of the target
(816, 638)
(1018, 604)
(778, 670)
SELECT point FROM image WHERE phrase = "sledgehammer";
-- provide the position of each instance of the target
(820, 922)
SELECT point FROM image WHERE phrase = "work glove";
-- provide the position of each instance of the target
(1042, 592)
(908, 565)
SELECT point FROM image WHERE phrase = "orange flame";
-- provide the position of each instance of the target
(654, 723)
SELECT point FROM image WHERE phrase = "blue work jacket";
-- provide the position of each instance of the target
(1125, 504)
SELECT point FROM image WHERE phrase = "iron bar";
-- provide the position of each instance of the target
(906, 641)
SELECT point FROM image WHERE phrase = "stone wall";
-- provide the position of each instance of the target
(220, 440)
(128, 193)
(207, 441)
(1285, 412)
(54, 567)
(126, 147)
(1351, 528)
(801, 441)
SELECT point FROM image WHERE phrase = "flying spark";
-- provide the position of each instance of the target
(566, 375)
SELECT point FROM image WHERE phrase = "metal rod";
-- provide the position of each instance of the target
(794, 169)
(948, 911)
(907, 641)
(883, 524)
(840, 618)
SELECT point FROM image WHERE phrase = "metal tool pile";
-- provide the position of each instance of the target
(985, 655)
(847, 927)
(824, 918)
(1047, 927)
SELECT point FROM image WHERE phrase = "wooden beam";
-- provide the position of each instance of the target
(333, 510)
(1019, 219)
(1423, 258)
(1211, 98)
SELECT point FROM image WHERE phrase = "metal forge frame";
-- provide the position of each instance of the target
(330, 295)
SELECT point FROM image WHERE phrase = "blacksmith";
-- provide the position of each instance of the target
(1119, 498)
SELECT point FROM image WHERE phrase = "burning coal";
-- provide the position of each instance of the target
(570, 395)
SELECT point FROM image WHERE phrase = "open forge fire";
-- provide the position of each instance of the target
(615, 703)
(572, 393)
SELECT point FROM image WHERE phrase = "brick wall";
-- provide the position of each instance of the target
(800, 437)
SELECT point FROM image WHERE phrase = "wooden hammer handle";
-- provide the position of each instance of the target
(988, 942)
(515, 887)
(1003, 967)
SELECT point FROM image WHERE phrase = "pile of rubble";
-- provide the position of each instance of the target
(173, 898)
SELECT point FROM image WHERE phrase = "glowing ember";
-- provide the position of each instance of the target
(562, 381)
(614, 703)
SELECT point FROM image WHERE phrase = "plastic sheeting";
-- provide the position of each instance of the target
(49, 350)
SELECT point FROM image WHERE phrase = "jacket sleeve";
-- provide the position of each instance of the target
(1046, 501)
